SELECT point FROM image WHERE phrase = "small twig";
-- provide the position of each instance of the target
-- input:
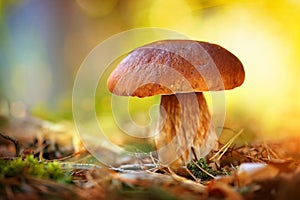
(154, 160)
(192, 175)
(135, 167)
(13, 140)
(130, 168)
(194, 153)
(203, 170)
(79, 166)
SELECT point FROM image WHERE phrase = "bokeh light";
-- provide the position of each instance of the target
(43, 43)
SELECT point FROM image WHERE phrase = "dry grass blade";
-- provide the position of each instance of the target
(195, 186)
(67, 157)
(155, 161)
(223, 150)
(203, 170)
(14, 141)
(192, 175)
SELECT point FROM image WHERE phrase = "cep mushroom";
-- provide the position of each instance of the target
(179, 70)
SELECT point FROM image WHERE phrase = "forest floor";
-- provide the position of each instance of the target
(34, 166)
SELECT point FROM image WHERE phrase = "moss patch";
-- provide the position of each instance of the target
(31, 166)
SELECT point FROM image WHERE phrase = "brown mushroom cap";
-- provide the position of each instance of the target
(176, 66)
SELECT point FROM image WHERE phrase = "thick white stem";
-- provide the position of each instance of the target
(186, 129)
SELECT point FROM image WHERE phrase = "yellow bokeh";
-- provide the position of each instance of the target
(264, 35)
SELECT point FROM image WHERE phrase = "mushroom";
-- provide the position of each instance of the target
(179, 70)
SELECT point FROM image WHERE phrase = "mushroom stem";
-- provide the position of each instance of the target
(186, 131)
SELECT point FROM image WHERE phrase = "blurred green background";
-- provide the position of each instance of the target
(43, 43)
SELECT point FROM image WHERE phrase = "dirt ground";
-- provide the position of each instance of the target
(261, 170)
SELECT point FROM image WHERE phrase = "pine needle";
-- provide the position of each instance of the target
(270, 152)
(223, 150)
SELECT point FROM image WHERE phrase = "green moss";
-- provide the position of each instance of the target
(31, 166)
(193, 166)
